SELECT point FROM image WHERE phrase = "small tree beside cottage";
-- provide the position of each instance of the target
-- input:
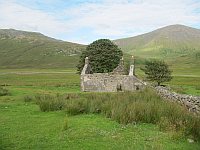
(157, 71)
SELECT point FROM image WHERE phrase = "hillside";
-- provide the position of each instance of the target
(164, 41)
(21, 49)
(179, 45)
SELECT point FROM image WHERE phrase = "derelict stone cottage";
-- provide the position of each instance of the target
(109, 82)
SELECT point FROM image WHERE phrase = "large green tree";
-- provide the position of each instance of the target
(103, 55)
(157, 71)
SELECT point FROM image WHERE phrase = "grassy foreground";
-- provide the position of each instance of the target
(126, 108)
(24, 126)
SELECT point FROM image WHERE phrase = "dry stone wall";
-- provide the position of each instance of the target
(192, 103)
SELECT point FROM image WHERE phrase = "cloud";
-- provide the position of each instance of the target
(100, 18)
(122, 17)
(13, 15)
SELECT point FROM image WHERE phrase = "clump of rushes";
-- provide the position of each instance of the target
(49, 102)
(28, 98)
(4, 91)
(128, 107)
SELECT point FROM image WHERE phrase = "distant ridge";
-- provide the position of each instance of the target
(173, 38)
(178, 45)
(22, 49)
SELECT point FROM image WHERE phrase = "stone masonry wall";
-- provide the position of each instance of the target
(104, 82)
(109, 82)
(192, 103)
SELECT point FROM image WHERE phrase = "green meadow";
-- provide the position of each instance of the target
(26, 122)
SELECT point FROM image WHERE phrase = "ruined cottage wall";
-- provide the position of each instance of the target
(192, 103)
(104, 82)
(109, 82)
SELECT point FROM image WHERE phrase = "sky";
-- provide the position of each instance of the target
(83, 21)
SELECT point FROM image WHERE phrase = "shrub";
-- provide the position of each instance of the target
(3, 91)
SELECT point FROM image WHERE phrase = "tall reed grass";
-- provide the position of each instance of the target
(128, 107)
(49, 102)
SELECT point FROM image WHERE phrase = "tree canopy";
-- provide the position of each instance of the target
(103, 56)
(157, 71)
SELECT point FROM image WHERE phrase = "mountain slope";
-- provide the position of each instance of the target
(178, 45)
(21, 49)
(163, 42)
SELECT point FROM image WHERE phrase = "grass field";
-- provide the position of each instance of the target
(24, 126)
(181, 82)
